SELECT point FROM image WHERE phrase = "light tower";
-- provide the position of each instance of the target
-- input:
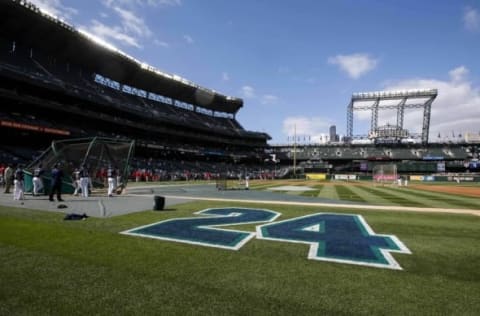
(383, 100)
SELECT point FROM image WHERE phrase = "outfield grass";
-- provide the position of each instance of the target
(365, 192)
(53, 267)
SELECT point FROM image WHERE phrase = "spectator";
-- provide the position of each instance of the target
(2, 180)
(8, 176)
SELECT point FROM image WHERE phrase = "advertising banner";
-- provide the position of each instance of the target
(316, 176)
(345, 177)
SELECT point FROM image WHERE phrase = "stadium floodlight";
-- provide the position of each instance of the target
(395, 94)
(375, 101)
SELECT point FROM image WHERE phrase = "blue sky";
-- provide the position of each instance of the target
(297, 63)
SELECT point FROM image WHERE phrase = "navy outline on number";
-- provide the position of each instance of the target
(241, 242)
(314, 246)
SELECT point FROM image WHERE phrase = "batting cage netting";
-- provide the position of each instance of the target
(96, 154)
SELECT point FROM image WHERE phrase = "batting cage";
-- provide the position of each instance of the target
(96, 154)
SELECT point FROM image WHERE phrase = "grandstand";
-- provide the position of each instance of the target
(181, 130)
(51, 92)
(410, 158)
(390, 143)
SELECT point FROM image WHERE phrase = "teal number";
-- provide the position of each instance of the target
(337, 237)
(205, 230)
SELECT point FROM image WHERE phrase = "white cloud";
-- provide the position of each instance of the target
(55, 8)
(248, 92)
(153, 3)
(225, 76)
(269, 99)
(131, 23)
(471, 19)
(316, 128)
(355, 65)
(165, 3)
(161, 43)
(130, 30)
(114, 33)
(459, 73)
(188, 39)
(456, 108)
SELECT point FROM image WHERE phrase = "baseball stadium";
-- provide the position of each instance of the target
(186, 212)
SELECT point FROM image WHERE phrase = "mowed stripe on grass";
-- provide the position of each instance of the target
(403, 196)
(449, 199)
(345, 193)
(393, 197)
(329, 192)
(369, 197)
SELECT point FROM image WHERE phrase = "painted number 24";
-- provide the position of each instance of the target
(343, 238)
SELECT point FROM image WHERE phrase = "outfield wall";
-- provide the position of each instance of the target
(422, 178)
(461, 178)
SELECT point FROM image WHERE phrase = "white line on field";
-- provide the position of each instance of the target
(353, 206)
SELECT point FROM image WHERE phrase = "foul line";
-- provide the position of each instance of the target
(354, 206)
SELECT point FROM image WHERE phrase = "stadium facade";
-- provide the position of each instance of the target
(57, 82)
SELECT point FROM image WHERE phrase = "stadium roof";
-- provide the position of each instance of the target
(24, 22)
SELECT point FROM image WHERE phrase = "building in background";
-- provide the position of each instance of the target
(333, 134)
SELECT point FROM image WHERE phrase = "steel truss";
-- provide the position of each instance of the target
(403, 97)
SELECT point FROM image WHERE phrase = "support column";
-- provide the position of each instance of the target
(350, 121)
(401, 112)
(374, 122)
(426, 120)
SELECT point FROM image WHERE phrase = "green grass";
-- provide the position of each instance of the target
(345, 193)
(365, 192)
(447, 199)
(52, 267)
(392, 196)
(329, 192)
